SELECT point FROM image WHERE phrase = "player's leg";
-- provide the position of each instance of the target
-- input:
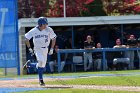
(40, 73)
(41, 64)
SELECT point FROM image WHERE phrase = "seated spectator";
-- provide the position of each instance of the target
(138, 52)
(119, 56)
(131, 43)
(98, 58)
(88, 45)
(54, 61)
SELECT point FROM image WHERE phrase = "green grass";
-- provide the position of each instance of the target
(133, 80)
(71, 74)
(76, 91)
(97, 72)
(117, 80)
(1, 71)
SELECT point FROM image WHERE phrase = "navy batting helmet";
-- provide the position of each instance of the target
(42, 21)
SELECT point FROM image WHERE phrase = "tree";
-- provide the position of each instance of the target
(121, 7)
(94, 8)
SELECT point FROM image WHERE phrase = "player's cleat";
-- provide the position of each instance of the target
(41, 82)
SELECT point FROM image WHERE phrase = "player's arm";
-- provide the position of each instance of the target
(53, 38)
(29, 46)
(28, 36)
(27, 43)
(52, 46)
(53, 42)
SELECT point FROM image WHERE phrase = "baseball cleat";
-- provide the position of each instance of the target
(41, 82)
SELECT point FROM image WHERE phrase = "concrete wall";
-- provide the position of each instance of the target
(22, 49)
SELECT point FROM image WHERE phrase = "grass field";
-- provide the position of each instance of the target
(71, 73)
(117, 80)
(102, 78)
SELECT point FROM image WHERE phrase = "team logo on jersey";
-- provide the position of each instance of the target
(3, 12)
(41, 36)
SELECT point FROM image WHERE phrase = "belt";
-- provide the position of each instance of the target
(43, 47)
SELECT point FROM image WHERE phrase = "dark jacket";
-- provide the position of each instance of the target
(89, 45)
(54, 57)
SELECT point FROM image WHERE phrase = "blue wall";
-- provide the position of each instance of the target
(8, 34)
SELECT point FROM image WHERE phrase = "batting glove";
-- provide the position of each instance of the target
(51, 51)
(31, 51)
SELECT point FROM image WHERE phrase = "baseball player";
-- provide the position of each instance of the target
(42, 34)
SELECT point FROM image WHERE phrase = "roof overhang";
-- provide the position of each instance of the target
(73, 21)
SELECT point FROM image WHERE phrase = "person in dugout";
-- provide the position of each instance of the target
(54, 61)
(120, 61)
(88, 60)
(131, 43)
(138, 51)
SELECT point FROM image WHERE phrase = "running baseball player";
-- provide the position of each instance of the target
(42, 34)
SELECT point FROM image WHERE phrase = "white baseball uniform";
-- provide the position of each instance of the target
(41, 41)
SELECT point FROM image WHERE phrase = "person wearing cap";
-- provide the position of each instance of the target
(42, 35)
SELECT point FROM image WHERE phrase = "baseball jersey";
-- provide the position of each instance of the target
(41, 39)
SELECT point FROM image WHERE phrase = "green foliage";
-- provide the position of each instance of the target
(94, 9)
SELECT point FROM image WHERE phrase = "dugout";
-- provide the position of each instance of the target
(104, 29)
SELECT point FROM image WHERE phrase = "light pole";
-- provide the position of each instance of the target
(64, 6)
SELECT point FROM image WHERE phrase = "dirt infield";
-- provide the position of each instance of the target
(28, 83)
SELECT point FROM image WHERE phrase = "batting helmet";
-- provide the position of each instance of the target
(42, 21)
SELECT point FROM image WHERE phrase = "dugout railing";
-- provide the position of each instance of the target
(102, 50)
